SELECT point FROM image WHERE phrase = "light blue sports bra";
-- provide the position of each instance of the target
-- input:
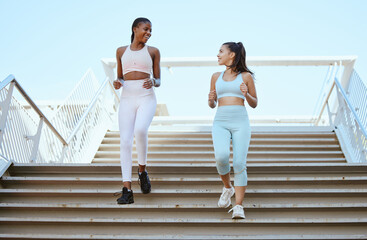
(229, 89)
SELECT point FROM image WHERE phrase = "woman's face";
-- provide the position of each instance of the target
(225, 56)
(143, 32)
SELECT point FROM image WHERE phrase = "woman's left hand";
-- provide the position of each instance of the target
(244, 89)
(148, 83)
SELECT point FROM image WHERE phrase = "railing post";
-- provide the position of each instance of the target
(348, 122)
(5, 105)
(362, 153)
(36, 140)
(329, 113)
(63, 153)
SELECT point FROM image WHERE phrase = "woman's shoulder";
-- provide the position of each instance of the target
(215, 76)
(121, 50)
(246, 76)
(153, 49)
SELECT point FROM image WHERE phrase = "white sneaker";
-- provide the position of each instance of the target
(225, 198)
(238, 212)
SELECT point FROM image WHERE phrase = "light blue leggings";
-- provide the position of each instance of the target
(231, 122)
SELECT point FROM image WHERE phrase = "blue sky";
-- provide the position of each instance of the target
(48, 45)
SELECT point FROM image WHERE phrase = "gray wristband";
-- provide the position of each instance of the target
(156, 82)
(121, 80)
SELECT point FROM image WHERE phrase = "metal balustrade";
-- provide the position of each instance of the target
(74, 132)
(352, 133)
(68, 114)
(357, 94)
(72, 135)
(349, 125)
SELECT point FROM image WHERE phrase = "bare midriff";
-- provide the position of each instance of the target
(226, 101)
(136, 76)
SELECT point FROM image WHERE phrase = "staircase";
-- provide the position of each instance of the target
(300, 187)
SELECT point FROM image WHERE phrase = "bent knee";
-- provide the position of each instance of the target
(141, 133)
(239, 167)
(222, 158)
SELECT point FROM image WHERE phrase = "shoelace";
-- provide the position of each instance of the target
(226, 193)
(237, 206)
(145, 180)
(116, 194)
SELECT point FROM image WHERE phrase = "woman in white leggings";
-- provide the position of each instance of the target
(136, 63)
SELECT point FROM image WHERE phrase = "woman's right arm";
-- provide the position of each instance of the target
(212, 97)
(118, 83)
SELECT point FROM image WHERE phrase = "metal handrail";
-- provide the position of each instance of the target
(86, 112)
(114, 91)
(324, 105)
(10, 79)
(351, 107)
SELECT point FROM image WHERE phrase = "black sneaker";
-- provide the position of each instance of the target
(126, 198)
(144, 182)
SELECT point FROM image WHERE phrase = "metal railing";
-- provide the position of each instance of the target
(325, 93)
(67, 115)
(349, 125)
(91, 127)
(73, 134)
(4, 164)
(19, 132)
(351, 129)
(357, 94)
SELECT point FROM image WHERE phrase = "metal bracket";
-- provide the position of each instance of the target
(5, 105)
(36, 140)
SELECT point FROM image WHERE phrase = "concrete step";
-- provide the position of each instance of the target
(183, 182)
(98, 169)
(155, 236)
(209, 147)
(188, 230)
(210, 154)
(254, 135)
(181, 200)
(185, 192)
(254, 141)
(209, 218)
(211, 160)
(169, 207)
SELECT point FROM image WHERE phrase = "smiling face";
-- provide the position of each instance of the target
(225, 56)
(143, 32)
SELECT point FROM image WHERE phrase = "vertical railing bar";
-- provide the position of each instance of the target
(13, 131)
(20, 130)
(6, 109)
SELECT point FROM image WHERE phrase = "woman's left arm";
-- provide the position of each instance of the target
(248, 89)
(156, 68)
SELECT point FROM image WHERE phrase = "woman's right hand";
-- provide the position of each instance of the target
(212, 95)
(117, 84)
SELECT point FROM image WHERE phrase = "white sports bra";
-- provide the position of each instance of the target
(139, 61)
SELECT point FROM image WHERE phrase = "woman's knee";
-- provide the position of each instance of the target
(141, 133)
(239, 166)
(222, 160)
(126, 143)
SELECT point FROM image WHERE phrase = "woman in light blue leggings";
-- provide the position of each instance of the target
(232, 88)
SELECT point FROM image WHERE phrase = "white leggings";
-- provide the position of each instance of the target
(136, 112)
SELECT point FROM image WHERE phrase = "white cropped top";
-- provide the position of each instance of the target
(139, 61)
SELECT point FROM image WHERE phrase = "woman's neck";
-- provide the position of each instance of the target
(229, 71)
(137, 45)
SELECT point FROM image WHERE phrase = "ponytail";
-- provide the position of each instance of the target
(239, 62)
(136, 23)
